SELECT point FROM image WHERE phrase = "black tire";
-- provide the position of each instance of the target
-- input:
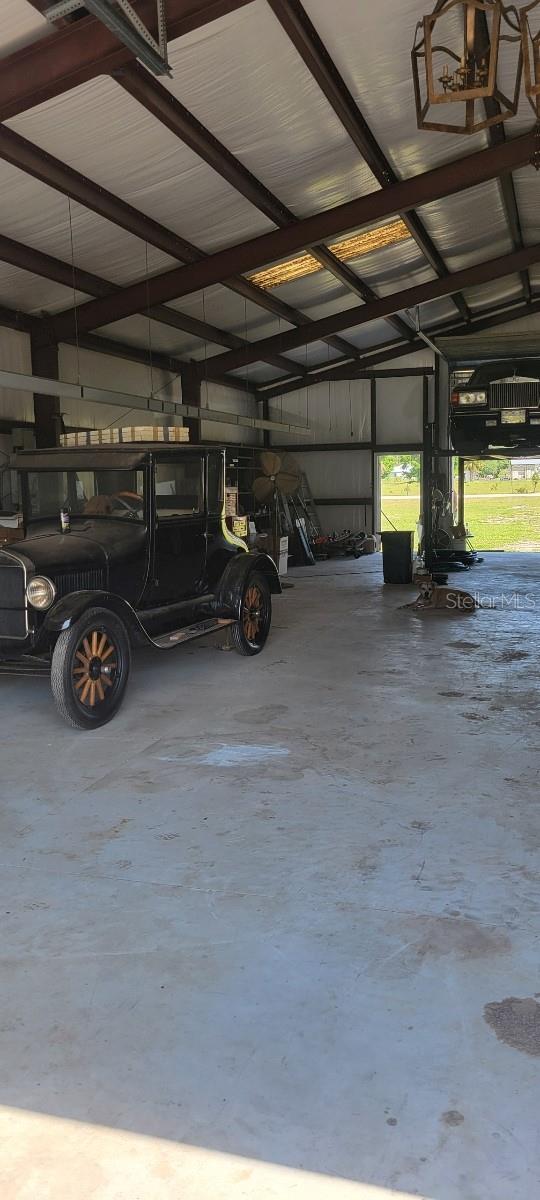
(248, 635)
(91, 660)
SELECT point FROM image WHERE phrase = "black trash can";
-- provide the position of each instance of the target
(397, 552)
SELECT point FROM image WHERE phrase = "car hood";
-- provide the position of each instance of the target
(90, 544)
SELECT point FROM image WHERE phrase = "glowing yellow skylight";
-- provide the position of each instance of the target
(345, 249)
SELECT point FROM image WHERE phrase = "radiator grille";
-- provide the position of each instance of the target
(514, 395)
(12, 599)
(79, 581)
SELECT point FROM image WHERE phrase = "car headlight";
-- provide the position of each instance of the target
(464, 399)
(40, 592)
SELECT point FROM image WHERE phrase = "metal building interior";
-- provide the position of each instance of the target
(274, 930)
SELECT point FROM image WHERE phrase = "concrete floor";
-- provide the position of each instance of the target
(250, 928)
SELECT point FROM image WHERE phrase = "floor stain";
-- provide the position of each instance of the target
(509, 656)
(463, 938)
(260, 716)
(452, 1117)
(451, 695)
(464, 645)
(472, 716)
(516, 1022)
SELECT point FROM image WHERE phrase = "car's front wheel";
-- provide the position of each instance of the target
(249, 634)
(90, 669)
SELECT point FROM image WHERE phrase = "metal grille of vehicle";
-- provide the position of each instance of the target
(515, 395)
(13, 622)
(80, 581)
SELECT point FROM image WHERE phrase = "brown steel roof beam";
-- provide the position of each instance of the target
(486, 319)
(85, 49)
(496, 135)
(36, 162)
(302, 33)
(447, 180)
(157, 100)
(38, 263)
(484, 272)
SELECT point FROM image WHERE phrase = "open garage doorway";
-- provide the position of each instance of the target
(399, 491)
(501, 503)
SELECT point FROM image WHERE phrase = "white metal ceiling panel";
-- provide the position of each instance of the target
(222, 307)
(20, 25)
(135, 332)
(469, 227)
(317, 294)
(244, 80)
(373, 334)
(488, 294)
(30, 293)
(38, 216)
(318, 353)
(257, 373)
(371, 47)
(103, 132)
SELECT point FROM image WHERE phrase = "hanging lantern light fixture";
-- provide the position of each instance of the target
(463, 73)
(529, 18)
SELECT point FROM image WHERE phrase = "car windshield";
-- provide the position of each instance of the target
(98, 493)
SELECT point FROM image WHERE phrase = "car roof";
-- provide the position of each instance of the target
(123, 456)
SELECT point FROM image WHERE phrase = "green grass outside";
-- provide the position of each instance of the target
(498, 522)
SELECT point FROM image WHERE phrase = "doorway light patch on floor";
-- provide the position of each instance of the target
(226, 755)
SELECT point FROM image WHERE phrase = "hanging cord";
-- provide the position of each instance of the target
(329, 404)
(205, 356)
(350, 409)
(149, 322)
(248, 364)
(73, 277)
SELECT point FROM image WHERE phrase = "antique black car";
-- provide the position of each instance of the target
(124, 545)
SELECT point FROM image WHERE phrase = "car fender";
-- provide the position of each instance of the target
(70, 608)
(231, 585)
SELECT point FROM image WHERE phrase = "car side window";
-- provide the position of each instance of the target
(215, 482)
(179, 488)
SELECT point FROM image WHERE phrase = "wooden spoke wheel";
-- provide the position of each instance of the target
(252, 612)
(90, 669)
(96, 664)
(249, 634)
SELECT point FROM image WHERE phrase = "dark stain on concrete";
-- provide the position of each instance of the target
(464, 645)
(452, 1117)
(509, 656)
(472, 716)
(260, 716)
(451, 695)
(516, 1022)
(463, 938)
(391, 1121)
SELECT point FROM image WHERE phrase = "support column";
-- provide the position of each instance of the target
(266, 417)
(461, 492)
(191, 394)
(48, 424)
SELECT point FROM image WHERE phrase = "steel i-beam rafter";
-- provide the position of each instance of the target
(302, 33)
(447, 180)
(167, 109)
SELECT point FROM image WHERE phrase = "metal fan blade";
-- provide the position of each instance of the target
(263, 488)
(270, 462)
(287, 484)
(289, 465)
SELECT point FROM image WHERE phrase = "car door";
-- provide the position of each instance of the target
(180, 536)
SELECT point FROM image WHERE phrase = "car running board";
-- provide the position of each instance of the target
(166, 641)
